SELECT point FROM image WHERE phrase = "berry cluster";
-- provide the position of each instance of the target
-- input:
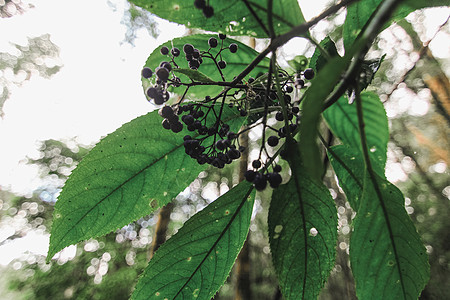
(216, 144)
(260, 180)
(208, 11)
(211, 141)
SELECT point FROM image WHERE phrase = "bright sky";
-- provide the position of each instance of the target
(97, 89)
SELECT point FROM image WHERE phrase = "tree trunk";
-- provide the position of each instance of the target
(161, 228)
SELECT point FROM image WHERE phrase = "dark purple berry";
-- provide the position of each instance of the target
(166, 65)
(241, 149)
(251, 79)
(176, 127)
(159, 99)
(146, 72)
(212, 42)
(256, 164)
(175, 52)
(152, 92)
(188, 49)
(196, 54)
(166, 111)
(274, 179)
(279, 116)
(250, 175)
(208, 11)
(220, 145)
(231, 135)
(295, 110)
(234, 153)
(222, 36)
(308, 74)
(222, 64)
(272, 141)
(233, 48)
(164, 50)
(194, 64)
(289, 89)
(187, 119)
(277, 168)
(166, 124)
(260, 182)
(162, 73)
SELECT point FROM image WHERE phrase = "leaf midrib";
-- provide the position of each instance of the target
(390, 230)
(305, 237)
(218, 239)
(116, 189)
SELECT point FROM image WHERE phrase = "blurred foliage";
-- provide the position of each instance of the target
(9, 8)
(40, 56)
(135, 19)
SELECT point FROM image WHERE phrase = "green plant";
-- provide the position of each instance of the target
(214, 94)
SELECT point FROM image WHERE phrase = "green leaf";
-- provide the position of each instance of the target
(318, 61)
(302, 233)
(322, 85)
(194, 75)
(127, 175)
(196, 261)
(348, 164)
(236, 63)
(360, 12)
(387, 256)
(233, 16)
(343, 122)
(298, 63)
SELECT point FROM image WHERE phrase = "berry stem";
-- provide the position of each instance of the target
(281, 98)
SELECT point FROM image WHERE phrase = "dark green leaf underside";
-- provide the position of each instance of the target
(343, 122)
(129, 174)
(196, 261)
(348, 164)
(387, 256)
(232, 16)
(302, 234)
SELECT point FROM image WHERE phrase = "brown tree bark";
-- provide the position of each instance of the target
(161, 228)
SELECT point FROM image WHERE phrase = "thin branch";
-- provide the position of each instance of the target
(284, 38)
(270, 18)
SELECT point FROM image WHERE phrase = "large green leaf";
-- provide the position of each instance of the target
(129, 174)
(302, 233)
(348, 164)
(312, 106)
(236, 63)
(232, 16)
(360, 12)
(318, 60)
(196, 261)
(343, 122)
(387, 256)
